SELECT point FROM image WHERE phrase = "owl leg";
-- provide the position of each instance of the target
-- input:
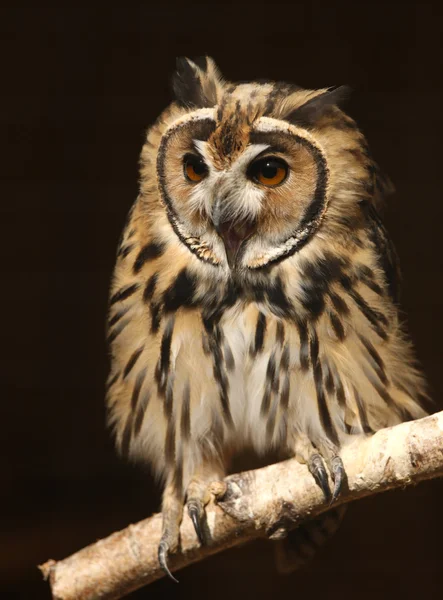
(315, 457)
(172, 511)
(198, 496)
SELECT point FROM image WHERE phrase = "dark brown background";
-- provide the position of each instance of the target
(80, 86)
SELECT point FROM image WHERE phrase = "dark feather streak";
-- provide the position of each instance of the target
(328, 378)
(123, 293)
(266, 401)
(214, 341)
(318, 276)
(280, 333)
(170, 443)
(117, 330)
(118, 315)
(150, 287)
(112, 381)
(278, 300)
(284, 361)
(304, 345)
(155, 316)
(180, 293)
(375, 318)
(143, 405)
(259, 334)
(362, 412)
(147, 253)
(325, 416)
(337, 326)
(132, 360)
(185, 423)
(162, 369)
(125, 250)
(229, 358)
(339, 304)
(137, 388)
(376, 360)
(284, 396)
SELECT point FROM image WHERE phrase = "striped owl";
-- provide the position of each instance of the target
(254, 299)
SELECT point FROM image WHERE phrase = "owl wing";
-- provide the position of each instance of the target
(384, 248)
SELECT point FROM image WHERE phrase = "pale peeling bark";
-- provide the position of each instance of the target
(260, 503)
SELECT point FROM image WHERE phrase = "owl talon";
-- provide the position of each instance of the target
(196, 513)
(338, 476)
(163, 550)
(318, 471)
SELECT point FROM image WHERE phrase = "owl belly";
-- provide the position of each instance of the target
(258, 381)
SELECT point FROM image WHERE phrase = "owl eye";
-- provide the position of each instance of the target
(194, 168)
(268, 171)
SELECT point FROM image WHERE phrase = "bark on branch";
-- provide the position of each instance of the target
(264, 502)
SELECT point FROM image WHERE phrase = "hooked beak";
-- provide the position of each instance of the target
(233, 232)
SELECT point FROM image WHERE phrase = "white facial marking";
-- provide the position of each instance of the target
(202, 149)
(269, 124)
(252, 150)
(196, 115)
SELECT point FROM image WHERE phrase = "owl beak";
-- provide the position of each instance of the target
(234, 234)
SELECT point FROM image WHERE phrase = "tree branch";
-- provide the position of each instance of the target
(264, 502)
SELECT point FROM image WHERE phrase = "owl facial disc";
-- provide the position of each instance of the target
(242, 194)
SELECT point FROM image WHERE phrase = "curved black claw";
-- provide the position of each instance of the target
(195, 511)
(338, 476)
(162, 559)
(318, 470)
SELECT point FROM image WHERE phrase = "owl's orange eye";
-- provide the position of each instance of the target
(194, 168)
(268, 171)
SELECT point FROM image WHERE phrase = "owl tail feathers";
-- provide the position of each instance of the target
(301, 544)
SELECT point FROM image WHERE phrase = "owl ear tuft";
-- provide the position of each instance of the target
(201, 62)
(310, 112)
(197, 83)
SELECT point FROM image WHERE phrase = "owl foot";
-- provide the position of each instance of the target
(163, 551)
(204, 485)
(316, 457)
(196, 511)
(198, 497)
(317, 468)
(338, 475)
(172, 511)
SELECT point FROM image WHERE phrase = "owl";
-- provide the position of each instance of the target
(254, 298)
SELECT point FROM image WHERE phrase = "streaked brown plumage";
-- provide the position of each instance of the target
(248, 310)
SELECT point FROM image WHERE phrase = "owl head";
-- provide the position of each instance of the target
(251, 172)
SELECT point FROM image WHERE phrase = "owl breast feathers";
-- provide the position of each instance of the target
(253, 302)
